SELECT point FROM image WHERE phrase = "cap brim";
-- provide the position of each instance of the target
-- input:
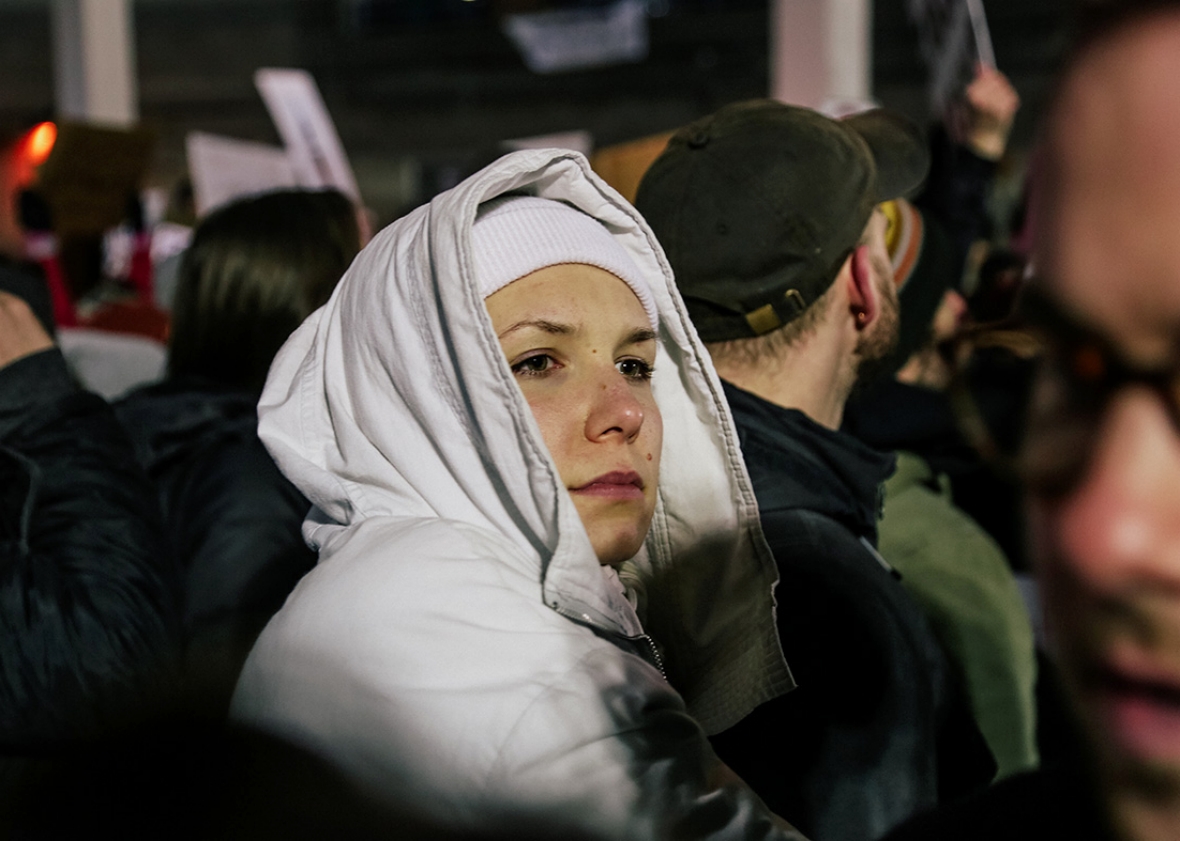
(899, 150)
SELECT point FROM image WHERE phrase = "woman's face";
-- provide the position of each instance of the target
(582, 350)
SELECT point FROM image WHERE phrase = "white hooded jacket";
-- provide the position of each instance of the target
(458, 647)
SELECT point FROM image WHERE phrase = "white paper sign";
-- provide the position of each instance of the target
(224, 169)
(579, 141)
(953, 35)
(983, 35)
(307, 130)
(575, 39)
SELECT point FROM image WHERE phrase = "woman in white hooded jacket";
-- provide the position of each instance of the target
(459, 649)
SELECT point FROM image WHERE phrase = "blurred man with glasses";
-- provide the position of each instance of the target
(1101, 452)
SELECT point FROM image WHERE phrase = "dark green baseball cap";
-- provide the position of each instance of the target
(759, 204)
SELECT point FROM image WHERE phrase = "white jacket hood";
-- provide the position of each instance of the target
(394, 401)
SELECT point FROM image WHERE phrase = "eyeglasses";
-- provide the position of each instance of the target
(1063, 401)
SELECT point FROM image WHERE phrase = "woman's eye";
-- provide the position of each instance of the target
(534, 366)
(635, 369)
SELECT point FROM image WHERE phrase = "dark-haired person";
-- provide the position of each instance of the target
(254, 270)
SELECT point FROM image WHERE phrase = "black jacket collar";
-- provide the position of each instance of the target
(795, 463)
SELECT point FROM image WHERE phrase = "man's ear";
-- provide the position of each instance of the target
(864, 298)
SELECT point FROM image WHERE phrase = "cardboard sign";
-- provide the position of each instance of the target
(299, 113)
(224, 169)
(90, 175)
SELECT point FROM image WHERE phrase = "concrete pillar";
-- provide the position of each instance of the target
(820, 49)
(94, 61)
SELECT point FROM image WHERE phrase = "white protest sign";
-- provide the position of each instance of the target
(574, 39)
(983, 37)
(223, 169)
(954, 36)
(579, 141)
(302, 119)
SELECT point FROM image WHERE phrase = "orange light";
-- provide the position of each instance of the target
(40, 142)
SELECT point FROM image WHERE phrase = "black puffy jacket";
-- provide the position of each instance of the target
(233, 519)
(89, 619)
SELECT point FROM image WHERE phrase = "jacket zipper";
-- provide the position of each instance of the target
(651, 644)
(655, 655)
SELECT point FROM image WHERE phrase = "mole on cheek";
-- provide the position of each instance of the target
(649, 456)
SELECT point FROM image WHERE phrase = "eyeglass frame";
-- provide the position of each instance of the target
(1095, 362)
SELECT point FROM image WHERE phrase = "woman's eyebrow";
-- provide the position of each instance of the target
(638, 337)
(554, 327)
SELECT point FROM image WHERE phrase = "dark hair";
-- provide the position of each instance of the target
(255, 269)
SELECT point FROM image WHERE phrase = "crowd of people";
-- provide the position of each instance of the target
(543, 514)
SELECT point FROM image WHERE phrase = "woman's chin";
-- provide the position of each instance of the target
(617, 552)
(617, 545)
(616, 531)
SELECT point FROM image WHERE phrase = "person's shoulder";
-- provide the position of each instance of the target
(381, 551)
(922, 529)
(415, 653)
(32, 387)
(457, 590)
(229, 474)
(421, 547)
(913, 473)
(799, 536)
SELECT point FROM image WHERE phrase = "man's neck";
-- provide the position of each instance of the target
(814, 377)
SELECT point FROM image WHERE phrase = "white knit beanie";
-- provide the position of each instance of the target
(516, 235)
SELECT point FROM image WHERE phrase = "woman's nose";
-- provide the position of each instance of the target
(1120, 526)
(615, 409)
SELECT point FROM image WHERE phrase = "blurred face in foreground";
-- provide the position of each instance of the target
(582, 350)
(1104, 432)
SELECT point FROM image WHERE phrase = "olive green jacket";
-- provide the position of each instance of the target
(961, 578)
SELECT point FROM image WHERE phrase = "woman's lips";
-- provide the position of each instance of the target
(619, 484)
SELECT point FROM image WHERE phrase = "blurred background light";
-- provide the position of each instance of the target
(39, 143)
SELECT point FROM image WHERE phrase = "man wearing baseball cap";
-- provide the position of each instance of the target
(769, 216)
